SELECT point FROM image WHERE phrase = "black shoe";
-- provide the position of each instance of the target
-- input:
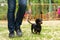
(19, 33)
(11, 35)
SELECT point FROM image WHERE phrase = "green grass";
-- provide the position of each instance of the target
(47, 33)
(2, 28)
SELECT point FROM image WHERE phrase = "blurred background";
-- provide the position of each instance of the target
(48, 10)
(45, 9)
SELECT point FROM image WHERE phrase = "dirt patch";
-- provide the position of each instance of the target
(3, 23)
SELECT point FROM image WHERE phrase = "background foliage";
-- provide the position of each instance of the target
(35, 9)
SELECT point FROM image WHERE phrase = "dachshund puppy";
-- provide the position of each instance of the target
(36, 27)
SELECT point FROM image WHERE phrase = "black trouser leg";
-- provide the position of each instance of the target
(20, 13)
(10, 15)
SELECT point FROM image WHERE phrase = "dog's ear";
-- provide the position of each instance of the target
(38, 20)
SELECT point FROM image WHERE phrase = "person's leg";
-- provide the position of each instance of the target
(20, 14)
(10, 16)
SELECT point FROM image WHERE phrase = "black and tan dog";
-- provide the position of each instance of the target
(36, 27)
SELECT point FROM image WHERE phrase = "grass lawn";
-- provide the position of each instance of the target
(47, 33)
